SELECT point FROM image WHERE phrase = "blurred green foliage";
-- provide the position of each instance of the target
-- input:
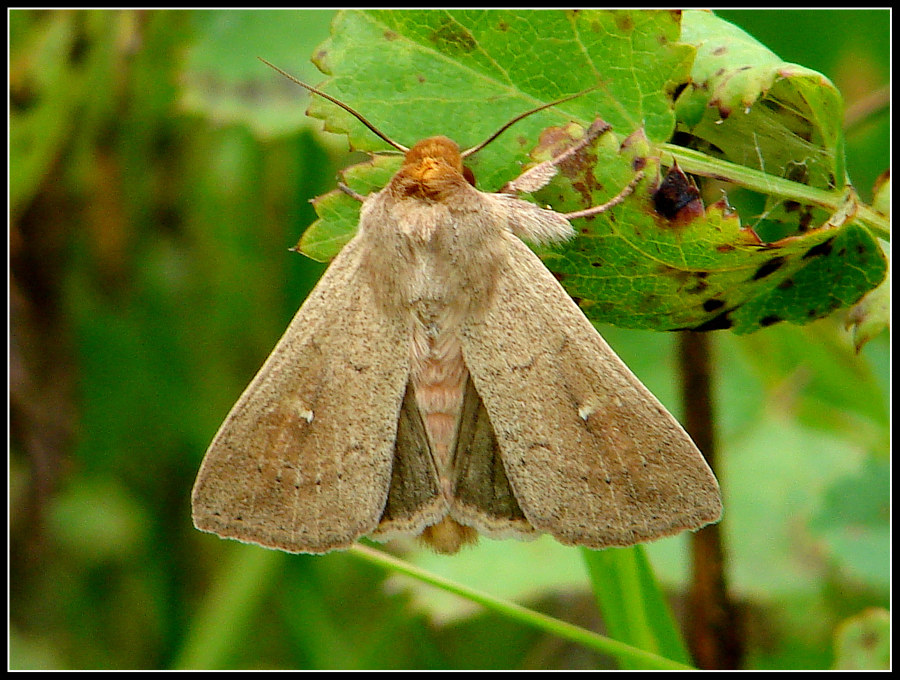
(150, 277)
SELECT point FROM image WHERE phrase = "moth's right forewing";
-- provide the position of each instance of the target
(592, 457)
(303, 461)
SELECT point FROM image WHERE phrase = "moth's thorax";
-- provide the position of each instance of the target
(434, 242)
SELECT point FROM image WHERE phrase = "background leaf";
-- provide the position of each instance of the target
(863, 641)
(224, 85)
(631, 602)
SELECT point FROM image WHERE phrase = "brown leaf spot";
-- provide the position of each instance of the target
(624, 22)
(717, 323)
(768, 268)
(451, 39)
(823, 248)
(677, 198)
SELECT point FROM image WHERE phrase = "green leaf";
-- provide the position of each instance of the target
(632, 604)
(863, 642)
(872, 314)
(464, 73)
(792, 114)
(853, 523)
(840, 387)
(45, 92)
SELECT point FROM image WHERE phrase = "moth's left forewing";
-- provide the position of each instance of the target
(591, 456)
(303, 462)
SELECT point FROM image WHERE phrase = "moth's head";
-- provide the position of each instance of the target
(432, 169)
(436, 152)
(435, 155)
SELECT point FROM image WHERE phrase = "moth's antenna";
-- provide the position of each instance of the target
(346, 108)
(479, 147)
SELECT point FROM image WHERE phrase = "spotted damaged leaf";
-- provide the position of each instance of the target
(872, 314)
(662, 259)
(639, 266)
(748, 106)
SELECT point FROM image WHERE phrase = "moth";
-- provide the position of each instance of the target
(439, 382)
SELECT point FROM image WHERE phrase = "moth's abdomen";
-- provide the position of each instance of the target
(438, 376)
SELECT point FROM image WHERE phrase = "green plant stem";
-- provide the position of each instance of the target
(522, 614)
(698, 163)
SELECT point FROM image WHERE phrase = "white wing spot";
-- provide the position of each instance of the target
(301, 410)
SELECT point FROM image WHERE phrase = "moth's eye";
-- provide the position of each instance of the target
(469, 175)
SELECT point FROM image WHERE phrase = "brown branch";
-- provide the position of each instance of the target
(714, 633)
